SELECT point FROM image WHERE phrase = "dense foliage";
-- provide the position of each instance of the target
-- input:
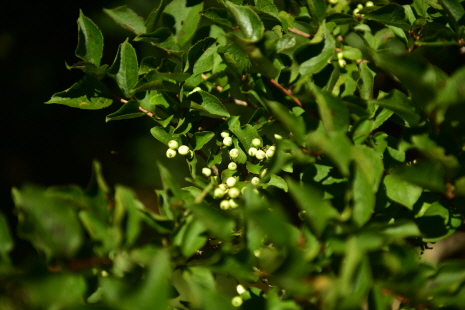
(324, 142)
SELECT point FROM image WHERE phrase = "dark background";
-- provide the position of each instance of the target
(49, 144)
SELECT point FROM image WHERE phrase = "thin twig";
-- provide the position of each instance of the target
(140, 108)
(287, 92)
(300, 33)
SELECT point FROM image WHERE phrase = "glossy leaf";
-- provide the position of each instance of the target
(90, 43)
(317, 63)
(88, 94)
(128, 110)
(402, 191)
(208, 103)
(391, 14)
(127, 18)
(248, 21)
(199, 139)
(125, 68)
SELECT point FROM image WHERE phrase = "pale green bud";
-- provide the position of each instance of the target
(183, 150)
(171, 153)
(173, 144)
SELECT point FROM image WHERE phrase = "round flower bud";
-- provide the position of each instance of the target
(240, 289)
(227, 141)
(256, 142)
(207, 172)
(272, 148)
(355, 12)
(255, 180)
(340, 55)
(171, 153)
(183, 150)
(333, 1)
(234, 192)
(269, 153)
(234, 153)
(278, 137)
(232, 166)
(173, 144)
(224, 134)
(252, 151)
(263, 173)
(237, 301)
(224, 187)
(369, 3)
(231, 181)
(224, 205)
(260, 155)
(342, 63)
(233, 204)
(218, 193)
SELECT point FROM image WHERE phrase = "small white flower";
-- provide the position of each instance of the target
(227, 141)
(171, 153)
(207, 172)
(252, 151)
(183, 150)
(255, 180)
(224, 205)
(224, 134)
(260, 155)
(234, 153)
(173, 144)
(234, 192)
(232, 166)
(231, 181)
(240, 289)
(256, 142)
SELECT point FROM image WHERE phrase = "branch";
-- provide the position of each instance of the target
(140, 108)
(287, 92)
(300, 33)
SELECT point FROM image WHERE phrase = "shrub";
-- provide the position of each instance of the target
(324, 143)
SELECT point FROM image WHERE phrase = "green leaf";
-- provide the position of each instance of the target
(267, 6)
(217, 222)
(319, 62)
(194, 238)
(319, 213)
(217, 15)
(187, 19)
(199, 139)
(128, 110)
(454, 12)
(294, 124)
(208, 103)
(90, 41)
(245, 134)
(400, 104)
(6, 240)
(427, 174)
(438, 222)
(88, 93)
(391, 14)
(90, 69)
(277, 181)
(127, 18)
(402, 191)
(125, 68)
(42, 216)
(158, 36)
(342, 19)
(333, 112)
(235, 58)
(126, 201)
(197, 50)
(367, 80)
(248, 21)
(164, 135)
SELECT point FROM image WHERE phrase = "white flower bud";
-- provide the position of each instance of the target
(333, 1)
(231, 181)
(171, 153)
(183, 150)
(260, 155)
(263, 173)
(237, 301)
(255, 180)
(256, 142)
(278, 137)
(340, 55)
(224, 187)
(369, 3)
(252, 151)
(234, 153)
(269, 153)
(234, 192)
(232, 166)
(207, 172)
(272, 148)
(224, 205)
(227, 141)
(173, 144)
(218, 193)
(224, 134)
(240, 289)
(233, 203)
